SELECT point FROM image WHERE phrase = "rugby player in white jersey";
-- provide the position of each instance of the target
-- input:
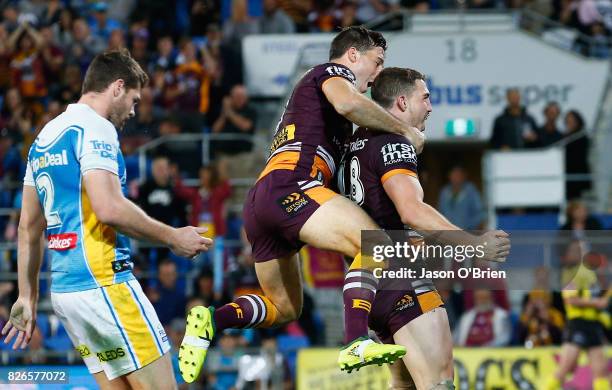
(74, 192)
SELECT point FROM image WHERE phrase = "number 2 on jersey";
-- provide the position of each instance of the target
(44, 185)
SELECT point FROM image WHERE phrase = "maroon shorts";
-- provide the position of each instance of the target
(275, 210)
(393, 309)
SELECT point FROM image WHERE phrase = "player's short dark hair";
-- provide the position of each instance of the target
(110, 66)
(358, 37)
(392, 82)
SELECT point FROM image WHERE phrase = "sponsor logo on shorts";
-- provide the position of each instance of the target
(62, 242)
(404, 302)
(293, 202)
(83, 350)
(112, 354)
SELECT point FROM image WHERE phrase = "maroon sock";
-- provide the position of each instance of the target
(358, 295)
(247, 311)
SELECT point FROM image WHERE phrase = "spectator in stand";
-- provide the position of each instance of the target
(324, 17)
(101, 25)
(209, 200)
(146, 122)
(140, 43)
(415, 5)
(549, 133)
(69, 89)
(27, 66)
(52, 13)
(460, 201)
(165, 57)
(203, 289)
(348, 14)
(601, 47)
(11, 165)
(203, 14)
(18, 119)
(84, 45)
(481, 4)
(193, 83)
(576, 155)
(239, 25)
(5, 60)
(485, 325)
(63, 29)
(275, 20)
(217, 82)
(10, 17)
(298, 11)
(514, 128)
(370, 9)
(222, 364)
(238, 118)
(116, 40)
(234, 30)
(168, 301)
(579, 220)
(51, 54)
(540, 323)
(157, 196)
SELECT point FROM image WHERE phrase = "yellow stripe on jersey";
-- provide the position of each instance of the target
(133, 323)
(99, 242)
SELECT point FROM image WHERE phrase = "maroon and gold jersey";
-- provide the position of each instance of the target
(311, 134)
(371, 159)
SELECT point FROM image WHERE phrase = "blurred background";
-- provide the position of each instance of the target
(520, 138)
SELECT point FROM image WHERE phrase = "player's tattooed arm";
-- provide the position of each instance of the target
(364, 112)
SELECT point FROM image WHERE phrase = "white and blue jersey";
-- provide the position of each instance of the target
(85, 253)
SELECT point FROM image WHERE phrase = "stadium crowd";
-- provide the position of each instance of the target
(192, 52)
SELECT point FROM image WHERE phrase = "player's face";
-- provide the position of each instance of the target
(419, 105)
(368, 66)
(123, 107)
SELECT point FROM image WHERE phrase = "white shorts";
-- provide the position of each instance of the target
(114, 328)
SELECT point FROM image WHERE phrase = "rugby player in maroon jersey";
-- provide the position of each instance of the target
(379, 173)
(292, 204)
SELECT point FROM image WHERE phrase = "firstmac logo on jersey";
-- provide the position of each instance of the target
(105, 150)
(49, 160)
(397, 152)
